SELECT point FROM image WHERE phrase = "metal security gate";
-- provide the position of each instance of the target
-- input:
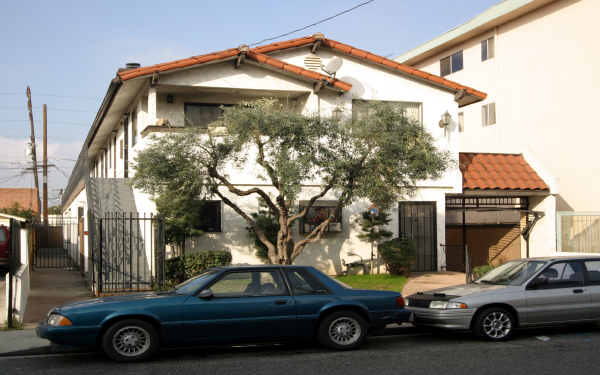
(128, 253)
(56, 245)
(417, 221)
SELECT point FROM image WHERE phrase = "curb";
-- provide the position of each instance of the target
(49, 349)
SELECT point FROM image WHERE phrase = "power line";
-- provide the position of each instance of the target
(54, 96)
(314, 24)
(56, 122)
(50, 108)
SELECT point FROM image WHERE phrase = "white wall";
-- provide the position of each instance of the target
(545, 87)
(20, 284)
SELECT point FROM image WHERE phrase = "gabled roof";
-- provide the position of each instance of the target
(27, 198)
(259, 55)
(486, 171)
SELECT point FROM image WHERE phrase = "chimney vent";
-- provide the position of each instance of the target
(132, 65)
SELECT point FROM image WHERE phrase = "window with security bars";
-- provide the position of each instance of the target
(488, 114)
(412, 110)
(318, 213)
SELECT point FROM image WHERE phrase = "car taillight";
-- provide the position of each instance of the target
(400, 302)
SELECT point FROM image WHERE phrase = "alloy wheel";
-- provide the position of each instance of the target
(131, 341)
(345, 331)
(497, 325)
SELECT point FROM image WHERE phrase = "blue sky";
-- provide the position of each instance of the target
(68, 51)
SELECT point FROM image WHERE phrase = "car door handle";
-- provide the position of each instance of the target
(281, 302)
(577, 291)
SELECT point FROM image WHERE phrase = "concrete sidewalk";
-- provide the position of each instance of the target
(423, 281)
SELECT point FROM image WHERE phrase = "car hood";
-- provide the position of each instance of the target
(115, 299)
(464, 290)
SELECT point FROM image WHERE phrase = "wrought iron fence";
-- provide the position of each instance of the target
(57, 244)
(127, 252)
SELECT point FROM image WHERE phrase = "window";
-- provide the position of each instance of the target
(208, 216)
(121, 149)
(487, 49)
(303, 283)
(134, 131)
(451, 64)
(560, 275)
(201, 115)
(488, 114)
(413, 110)
(318, 213)
(249, 284)
(593, 272)
(461, 122)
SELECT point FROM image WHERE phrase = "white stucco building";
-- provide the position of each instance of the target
(536, 60)
(141, 100)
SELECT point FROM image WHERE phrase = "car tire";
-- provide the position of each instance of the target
(342, 330)
(495, 324)
(130, 340)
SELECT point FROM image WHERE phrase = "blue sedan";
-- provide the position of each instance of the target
(227, 305)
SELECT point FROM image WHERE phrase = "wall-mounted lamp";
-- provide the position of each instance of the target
(170, 98)
(445, 120)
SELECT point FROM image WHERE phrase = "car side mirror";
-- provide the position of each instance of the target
(205, 294)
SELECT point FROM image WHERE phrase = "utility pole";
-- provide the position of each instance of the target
(45, 166)
(33, 154)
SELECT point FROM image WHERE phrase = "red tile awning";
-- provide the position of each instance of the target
(486, 171)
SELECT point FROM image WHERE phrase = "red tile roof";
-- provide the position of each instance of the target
(294, 69)
(257, 54)
(483, 171)
(25, 197)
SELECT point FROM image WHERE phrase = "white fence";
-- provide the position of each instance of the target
(578, 232)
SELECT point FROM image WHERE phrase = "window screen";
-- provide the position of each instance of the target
(201, 115)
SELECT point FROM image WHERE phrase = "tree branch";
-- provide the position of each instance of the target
(213, 173)
(312, 201)
(259, 232)
(261, 161)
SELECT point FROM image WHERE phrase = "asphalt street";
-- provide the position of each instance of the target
(573, 350)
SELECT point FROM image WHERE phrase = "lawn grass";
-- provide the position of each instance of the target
(377, 282)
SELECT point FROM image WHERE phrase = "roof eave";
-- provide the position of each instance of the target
(494, 16)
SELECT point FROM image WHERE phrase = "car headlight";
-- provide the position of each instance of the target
(447, 305)
(58, 320)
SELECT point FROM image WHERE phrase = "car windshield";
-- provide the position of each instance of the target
(191, 285)
(511, 273)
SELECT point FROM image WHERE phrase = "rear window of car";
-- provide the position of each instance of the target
(3, 235)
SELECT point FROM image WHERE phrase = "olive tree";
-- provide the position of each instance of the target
(377, 156)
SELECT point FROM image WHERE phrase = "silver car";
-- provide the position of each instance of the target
(519, 293)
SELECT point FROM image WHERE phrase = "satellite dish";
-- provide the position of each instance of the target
(333, 66)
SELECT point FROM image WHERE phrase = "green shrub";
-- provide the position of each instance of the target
(398, 255)
(481, 270)
(179, 269)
